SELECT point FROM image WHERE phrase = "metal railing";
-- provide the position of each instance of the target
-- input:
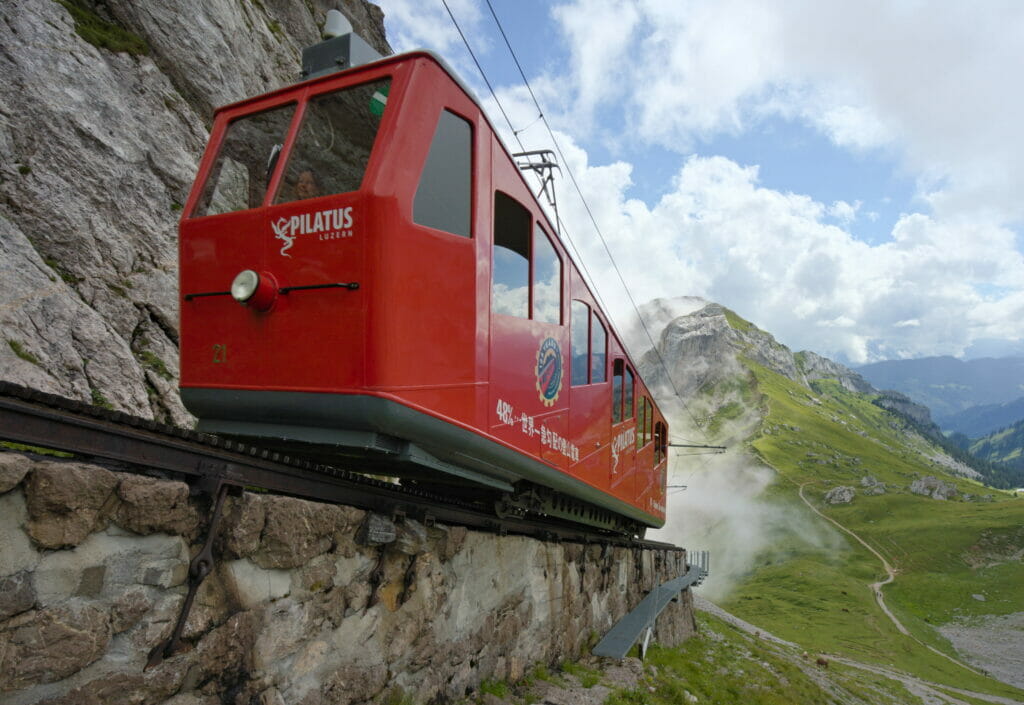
(620, 639)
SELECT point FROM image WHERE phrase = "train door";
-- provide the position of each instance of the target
(528, 338)
(590, 421)
(318, 231)
(623, 470)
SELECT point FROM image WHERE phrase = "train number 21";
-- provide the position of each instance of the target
(220, 353)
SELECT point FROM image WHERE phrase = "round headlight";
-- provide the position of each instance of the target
(244, 285)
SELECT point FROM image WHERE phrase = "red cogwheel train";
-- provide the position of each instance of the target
(365, 273)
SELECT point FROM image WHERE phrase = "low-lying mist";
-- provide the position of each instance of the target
(726, 510)
(727, 507)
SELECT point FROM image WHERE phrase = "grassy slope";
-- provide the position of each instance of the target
(721, 665)
(819, 596)
(724, 665)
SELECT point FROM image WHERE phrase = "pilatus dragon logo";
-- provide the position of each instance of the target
(549, 371)
(282, 228)
(325, 225)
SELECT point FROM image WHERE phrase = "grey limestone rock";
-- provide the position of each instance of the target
(67, 501)
(149, 505)
(814, 366)
(17, 594)
(13, 468)
(840, 495)
(100, 149)
(871, 486)
(43, 646)
(931, 486)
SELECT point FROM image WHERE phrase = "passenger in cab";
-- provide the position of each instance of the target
(307, 185)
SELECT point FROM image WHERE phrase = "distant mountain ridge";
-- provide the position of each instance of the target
(707, 350)
(984, 419)
(947, 385)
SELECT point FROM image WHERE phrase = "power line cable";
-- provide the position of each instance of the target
(515, 133)
(560, 222)
(593, 220)
(481, 70)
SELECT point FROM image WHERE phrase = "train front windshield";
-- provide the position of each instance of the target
(329, 155)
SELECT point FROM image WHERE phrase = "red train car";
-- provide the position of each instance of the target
(405, 300)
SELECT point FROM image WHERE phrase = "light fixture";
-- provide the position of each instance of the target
(336, 25)
(244, 285)
(255, 290)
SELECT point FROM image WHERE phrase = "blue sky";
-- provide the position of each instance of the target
(846, 175)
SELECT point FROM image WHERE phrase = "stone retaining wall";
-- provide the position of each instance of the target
(93, 573)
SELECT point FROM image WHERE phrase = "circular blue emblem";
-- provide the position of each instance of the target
(549, 371)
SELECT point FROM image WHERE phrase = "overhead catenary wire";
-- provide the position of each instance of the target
(579, 258)
(593, 219)
(515, 133)
(579, 191)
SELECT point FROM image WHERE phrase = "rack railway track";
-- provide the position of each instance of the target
(218, 467)
(208, 463)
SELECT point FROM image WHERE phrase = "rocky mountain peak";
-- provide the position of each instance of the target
(702, 346)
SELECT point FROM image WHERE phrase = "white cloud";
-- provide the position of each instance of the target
(772, 257)
(936, 81)
(843, 211)
(931, 83)
(412, 24)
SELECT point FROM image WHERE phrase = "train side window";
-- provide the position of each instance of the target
(443, 196)
(333, 146)
(660, 442)
(598, 352)
(547, 279)
(246, 159)
(580, 334)
(648, 419)
(641, 423)
(510, 283)
(617, 369)
(627, 401)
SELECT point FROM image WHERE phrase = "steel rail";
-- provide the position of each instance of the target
(36, 418)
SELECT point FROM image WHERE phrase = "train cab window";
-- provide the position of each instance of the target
(547, 279)
(334, 142)
(598, 352)
(580, 335)
(623, 380)
(443, 197)
(248, 153)
(510, 284)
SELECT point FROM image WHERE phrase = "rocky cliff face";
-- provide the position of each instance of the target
(100, 147)
(905, 406)
(814, 366)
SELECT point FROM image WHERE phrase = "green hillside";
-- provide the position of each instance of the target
(816, 592)
(1005, 446)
